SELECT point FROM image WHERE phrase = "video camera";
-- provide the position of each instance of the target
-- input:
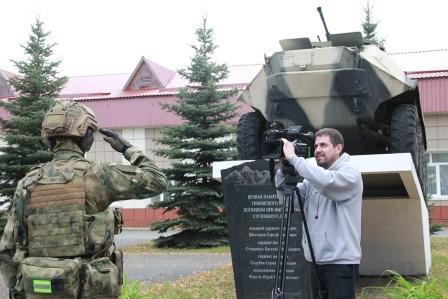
(273, 146)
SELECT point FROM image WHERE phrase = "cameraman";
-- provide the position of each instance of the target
(332, 195)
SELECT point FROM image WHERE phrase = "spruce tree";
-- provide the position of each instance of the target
(369, 26)
(37, 84)
(203, 138)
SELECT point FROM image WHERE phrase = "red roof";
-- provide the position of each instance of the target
(90, 85)
(136, 93)
(238, 74)
(113, 86)
(143, 112)
(121, 108)
(163, 74)
(117, 107)
(7, 75)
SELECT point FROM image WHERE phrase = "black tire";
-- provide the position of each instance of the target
(423, 166)
(406, 137)
(248, 136)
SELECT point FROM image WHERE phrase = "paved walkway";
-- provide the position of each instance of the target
(443, 233)
(157, 267)
(135, 236)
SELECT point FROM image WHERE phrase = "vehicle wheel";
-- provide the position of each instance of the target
(406, 137)
(422, 169)
(248, 136)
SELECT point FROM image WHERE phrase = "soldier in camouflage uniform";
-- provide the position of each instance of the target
(58, 241)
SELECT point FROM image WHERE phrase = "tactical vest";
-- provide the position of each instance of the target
(69, 252)
(57, 224)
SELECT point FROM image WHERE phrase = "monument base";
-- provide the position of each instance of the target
(254, 215)
(395, 221)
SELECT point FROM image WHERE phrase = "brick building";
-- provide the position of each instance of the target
(130, 104)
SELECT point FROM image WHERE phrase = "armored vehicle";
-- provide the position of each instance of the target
(345, 83)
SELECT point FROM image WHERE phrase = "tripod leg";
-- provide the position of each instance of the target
(286, 244)
(283, 242)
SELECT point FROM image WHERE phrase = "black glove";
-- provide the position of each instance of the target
(117, 142)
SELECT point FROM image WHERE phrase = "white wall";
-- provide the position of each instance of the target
(143, 139)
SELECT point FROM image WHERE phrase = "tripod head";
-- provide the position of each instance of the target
(292, 177)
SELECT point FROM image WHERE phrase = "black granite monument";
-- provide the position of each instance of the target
(254, 213)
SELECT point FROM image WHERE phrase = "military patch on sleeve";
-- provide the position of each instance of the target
(130, 169)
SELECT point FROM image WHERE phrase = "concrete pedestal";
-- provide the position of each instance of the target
(395, 222)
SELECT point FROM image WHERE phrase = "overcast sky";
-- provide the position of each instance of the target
(109, 36)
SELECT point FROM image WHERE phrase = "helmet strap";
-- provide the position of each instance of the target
(85, 143)
(50, 142)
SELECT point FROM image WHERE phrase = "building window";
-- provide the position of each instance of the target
(437, 182)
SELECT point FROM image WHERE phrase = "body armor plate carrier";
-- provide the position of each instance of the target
(57, 224)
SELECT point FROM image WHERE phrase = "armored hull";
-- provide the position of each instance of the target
(345, 84)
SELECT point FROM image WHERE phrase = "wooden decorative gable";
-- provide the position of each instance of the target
(148, 75)
(5, 88)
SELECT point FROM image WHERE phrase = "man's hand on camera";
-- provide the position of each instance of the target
(117, 142)
(288, 149)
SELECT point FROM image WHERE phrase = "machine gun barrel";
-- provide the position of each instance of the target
(327, 33)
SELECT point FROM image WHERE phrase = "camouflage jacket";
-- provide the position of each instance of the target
(104, 184)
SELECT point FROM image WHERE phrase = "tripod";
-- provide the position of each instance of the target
(291, 180)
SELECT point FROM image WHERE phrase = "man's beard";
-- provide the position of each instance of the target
(323, 164)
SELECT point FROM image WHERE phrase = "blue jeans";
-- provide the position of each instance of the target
(338, 280)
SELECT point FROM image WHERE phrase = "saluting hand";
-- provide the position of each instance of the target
(117, 142)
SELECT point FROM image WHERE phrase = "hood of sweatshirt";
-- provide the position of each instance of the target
(344, 158)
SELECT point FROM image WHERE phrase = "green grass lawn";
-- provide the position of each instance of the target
(219, 283)
(149, 247)
(371, 288)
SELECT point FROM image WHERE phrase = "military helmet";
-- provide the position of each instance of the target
(68, 118)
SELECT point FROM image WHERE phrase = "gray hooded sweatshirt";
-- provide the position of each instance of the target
(332, 203)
